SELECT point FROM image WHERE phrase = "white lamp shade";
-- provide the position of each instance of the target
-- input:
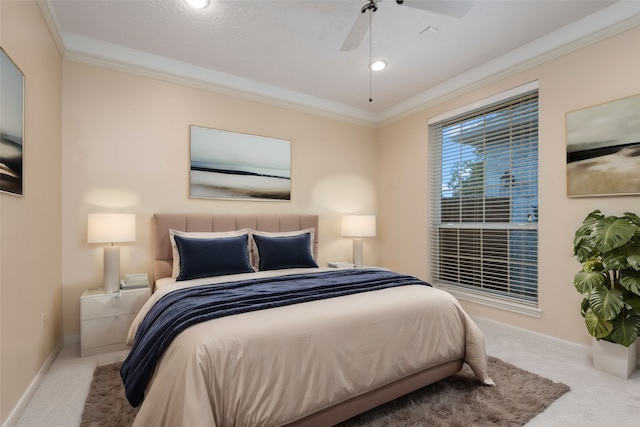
(111, 227)
(359, 225)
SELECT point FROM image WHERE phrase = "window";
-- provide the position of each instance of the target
(484, 198)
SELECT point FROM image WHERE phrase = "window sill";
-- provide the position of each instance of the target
(491, 301)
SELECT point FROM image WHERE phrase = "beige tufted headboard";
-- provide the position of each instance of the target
(163, 257)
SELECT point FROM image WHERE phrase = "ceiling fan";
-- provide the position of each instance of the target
(452, 8)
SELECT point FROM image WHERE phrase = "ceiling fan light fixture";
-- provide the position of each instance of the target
(198, 4)
(378, 65)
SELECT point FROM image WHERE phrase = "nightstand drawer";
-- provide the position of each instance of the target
(105, 331)
(116, 304)
(105, 318)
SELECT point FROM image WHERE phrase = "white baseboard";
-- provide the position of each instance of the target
(13, 417)
(557, 342)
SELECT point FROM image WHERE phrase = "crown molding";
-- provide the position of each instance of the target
(615, 19)
(53, 24)
(94, 52)
(621, 16)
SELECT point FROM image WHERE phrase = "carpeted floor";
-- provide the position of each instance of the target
(459, 400)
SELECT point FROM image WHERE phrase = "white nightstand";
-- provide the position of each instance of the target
(341, 264)
(105, 318)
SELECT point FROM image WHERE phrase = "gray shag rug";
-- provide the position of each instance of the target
(459, 400)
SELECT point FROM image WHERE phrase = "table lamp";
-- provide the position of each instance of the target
(111, 228)
(358, 226)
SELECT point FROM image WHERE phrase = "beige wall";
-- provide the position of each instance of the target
(126, 149)
(30, 267)
(600, 73)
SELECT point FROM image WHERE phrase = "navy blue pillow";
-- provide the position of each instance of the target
(284, 252)
(212, 257)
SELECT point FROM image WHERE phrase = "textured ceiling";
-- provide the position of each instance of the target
(290, 49)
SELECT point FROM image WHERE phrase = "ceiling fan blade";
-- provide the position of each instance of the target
(358, 31)
(454, 8)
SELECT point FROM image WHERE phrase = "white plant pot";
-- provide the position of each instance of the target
(614, 359)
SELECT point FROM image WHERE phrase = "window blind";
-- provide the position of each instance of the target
(484, 199)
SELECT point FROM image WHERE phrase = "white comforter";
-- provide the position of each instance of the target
(275, 366)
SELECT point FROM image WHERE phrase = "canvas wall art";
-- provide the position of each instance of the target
(11, 126)
(232, 165)
(603, 149)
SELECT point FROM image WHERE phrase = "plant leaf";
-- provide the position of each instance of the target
(633, 218)
(612, 232)
(632, 304)
(625, 330)
(592, 218)
(586, 281)
(584, 306)
(597, 328)
(616, 259)
(630, 280)
(583, 243)
(633, 255)
(583, 248)
(606, 303)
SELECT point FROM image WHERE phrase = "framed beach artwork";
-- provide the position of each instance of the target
(603, 149)
(11, 126)
(232, 165)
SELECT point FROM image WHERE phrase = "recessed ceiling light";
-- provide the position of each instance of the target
(378, 65)
(198, 4)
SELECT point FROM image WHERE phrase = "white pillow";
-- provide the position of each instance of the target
(255, 261)
(199, 235)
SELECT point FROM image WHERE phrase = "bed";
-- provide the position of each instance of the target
(300, 359)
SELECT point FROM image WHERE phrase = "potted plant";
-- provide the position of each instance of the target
(609, 250)
(608, 247)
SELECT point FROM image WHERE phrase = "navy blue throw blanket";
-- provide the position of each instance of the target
(182, 308)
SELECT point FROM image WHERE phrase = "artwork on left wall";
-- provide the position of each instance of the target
(11, 125)
(603, 149)
(239, 166)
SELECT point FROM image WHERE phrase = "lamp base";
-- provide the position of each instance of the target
(111, 269)
(358, 258)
